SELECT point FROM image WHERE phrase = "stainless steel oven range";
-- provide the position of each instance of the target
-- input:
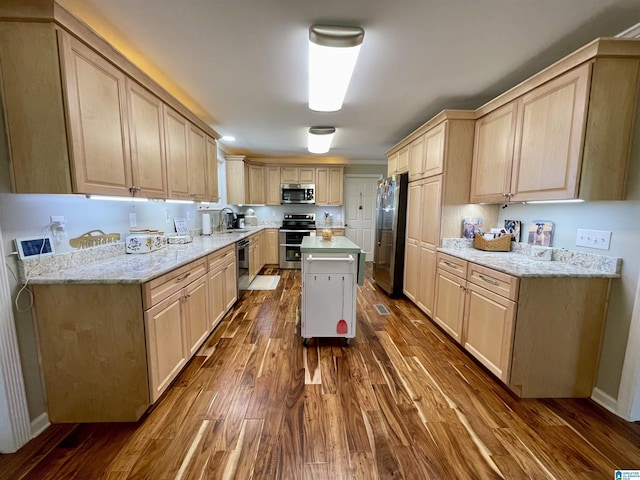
(295, 226)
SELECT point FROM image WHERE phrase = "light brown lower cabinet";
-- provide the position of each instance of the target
(108, 351)
(539, 335)
(271, 246)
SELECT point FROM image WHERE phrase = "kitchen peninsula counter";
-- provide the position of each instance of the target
(135, 268)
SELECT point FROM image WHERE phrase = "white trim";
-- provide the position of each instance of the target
(629, 391)
(605, 400)
(39, 424)
(15, 427)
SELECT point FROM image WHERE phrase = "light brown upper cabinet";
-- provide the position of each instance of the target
(148, 161)
(272, 187)
(176, 129)
(81, 118)
(398, 162)
(213, 193)
(297, 174)
(245, 181)
(329, 184)
(566, 136)
(95, 93)
(426, 154)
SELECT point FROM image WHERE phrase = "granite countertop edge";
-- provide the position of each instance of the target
(523, 266)
(129, 269)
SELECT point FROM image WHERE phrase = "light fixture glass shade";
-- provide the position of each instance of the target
(320, 138)
(333, 52)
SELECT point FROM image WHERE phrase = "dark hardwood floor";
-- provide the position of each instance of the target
(402, 402)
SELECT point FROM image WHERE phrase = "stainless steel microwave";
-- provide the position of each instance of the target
(297, 193)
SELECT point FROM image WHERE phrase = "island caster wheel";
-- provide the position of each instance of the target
(346, 342)
(305, 342)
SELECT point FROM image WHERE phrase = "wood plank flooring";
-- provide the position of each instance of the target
(401, 402)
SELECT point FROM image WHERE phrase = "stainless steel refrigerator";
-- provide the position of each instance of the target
(391, 220)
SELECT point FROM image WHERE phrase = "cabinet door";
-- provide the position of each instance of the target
(217, 301)
(213, 193)
(403, 161)
(549, 138)
(176, 129)
(434, 149)
(416, 159)
(322, 186)
(414, 210)
(335, 186)
(392, 165)
(271, 246)
(493, 155)
(429, 211)
(273, 185)
(306, 174)
(426, 278)
(256, 184)
(235, 182)
(489, 324)
(448, 308)
(411, 269)
(196, 313)
(197, 164)
(289, 175)
(148, 161)
(230, 284)
(95, 92)
(166, 343)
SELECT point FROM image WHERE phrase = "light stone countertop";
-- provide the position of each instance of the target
(140, 268)
(519, 263)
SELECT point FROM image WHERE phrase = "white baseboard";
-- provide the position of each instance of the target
(605, 400)
(38, 424)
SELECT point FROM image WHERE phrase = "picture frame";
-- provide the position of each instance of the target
(30, 247)
(471, 225)
(541, 233)
(513, 227)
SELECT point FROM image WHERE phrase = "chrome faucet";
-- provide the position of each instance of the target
(222, 222)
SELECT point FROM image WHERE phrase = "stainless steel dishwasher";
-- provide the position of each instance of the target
(242, 255)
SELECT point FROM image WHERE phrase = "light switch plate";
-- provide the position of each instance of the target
(600, 239)
(132, 220)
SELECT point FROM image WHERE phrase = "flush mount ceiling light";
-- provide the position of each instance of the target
(228, 138)
(333, 52)
(320, 138)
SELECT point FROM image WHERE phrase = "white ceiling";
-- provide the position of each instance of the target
(242, 64)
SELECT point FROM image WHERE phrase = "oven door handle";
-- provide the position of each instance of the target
(296, 231)
(290, 245)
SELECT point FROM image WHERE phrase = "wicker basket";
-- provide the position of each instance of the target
(500, 244)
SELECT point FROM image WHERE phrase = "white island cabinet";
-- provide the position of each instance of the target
(331, 271)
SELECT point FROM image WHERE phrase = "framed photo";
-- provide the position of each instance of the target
(34, 247)
(541, 233)
(471, 225)
(513, 227)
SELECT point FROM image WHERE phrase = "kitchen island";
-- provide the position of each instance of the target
(331, 269)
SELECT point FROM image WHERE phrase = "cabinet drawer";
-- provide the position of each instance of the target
(494, 281)
(453, 265)
(160, 288)
(219, 258)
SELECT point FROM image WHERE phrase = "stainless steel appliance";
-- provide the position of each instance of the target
(295, 226)
(242, 252)
(297, 193)
(391, 219)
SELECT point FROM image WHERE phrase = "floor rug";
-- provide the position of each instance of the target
(264, 282)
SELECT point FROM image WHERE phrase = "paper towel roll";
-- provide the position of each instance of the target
(206, 224)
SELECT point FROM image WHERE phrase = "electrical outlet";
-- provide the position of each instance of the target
(188, 216)
(167, 218)
(599, 239)
(132, 220)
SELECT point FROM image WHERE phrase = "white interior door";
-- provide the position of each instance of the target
(360, 211)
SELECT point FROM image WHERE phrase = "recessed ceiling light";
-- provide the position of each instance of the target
(228, 138)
